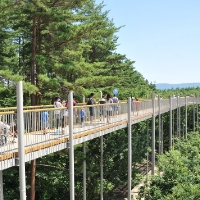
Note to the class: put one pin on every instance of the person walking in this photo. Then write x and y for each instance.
(133, 104)
(57, 104)
(137, 105)
(109, 109)
(45, 121)
(4, 127)
(82, 116)
(102, 107)
(91, 101)
(115, 106)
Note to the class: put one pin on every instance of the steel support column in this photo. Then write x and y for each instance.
(170, 122)
(101, 166)
(193, 115)
(147, 146)
(84, 164)
(1, 185)
(173, 134)
(153, 136)
(71, 150)
(129, 149)
(161, 135)
(186, 116)
(179, 116)
(177, 121)
(159, 125)
(20, 127)
(84, 172)
(101, 94)
(83, 98)
(197, 122)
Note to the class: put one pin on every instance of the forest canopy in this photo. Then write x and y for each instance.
(59, 46)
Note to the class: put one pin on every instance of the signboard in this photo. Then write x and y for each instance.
(115, 91)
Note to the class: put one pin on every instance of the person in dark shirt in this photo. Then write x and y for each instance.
(91, 101)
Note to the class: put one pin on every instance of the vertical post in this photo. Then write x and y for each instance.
(170, 122)
(1, 185)
(71, 150)
(172, 126)
(20, 127)
(197, 123)
(153, 135)
(83, 98)
(101, 165)
(100, 94)
(177, 116)
(147, 147)
(84, 172)
(186, 116)
(84, 165)
(129, 149)
(161, 135)
(193, 115)
(159, 124)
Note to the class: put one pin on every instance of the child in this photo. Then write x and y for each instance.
(82, 116)
(45, 119)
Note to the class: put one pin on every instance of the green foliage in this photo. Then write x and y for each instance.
(52, 177)
(73, 48)
(7, 97)
(178, 176)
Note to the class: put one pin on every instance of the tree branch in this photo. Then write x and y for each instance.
(51, 166)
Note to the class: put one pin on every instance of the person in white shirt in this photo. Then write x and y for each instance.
(102, 108)
(3, 126)
(57, 104)
(109, 109)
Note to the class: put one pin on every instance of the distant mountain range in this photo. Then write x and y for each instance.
(165, 86)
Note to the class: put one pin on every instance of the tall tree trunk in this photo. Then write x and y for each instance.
(33, 103)
(39, 44)
(32, 67)
(32, 182)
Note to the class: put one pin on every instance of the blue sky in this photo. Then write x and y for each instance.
(162, 36)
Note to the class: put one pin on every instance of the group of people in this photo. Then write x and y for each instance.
(135, 105)
(108, 107)
(106, 111)
(61, 115)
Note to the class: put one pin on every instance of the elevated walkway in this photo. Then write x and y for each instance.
(38, 144)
